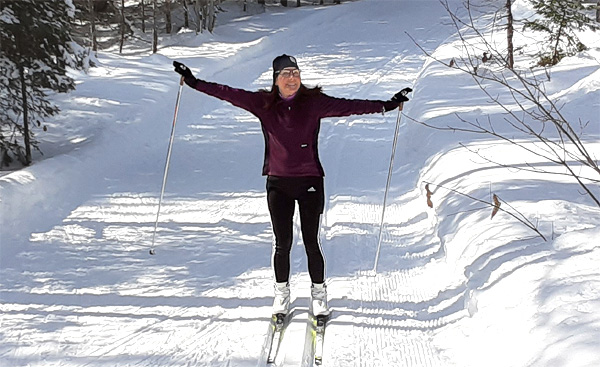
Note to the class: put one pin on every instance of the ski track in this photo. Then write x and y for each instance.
(392, 324)
(381, 339)
(379, 320)
(389, 327)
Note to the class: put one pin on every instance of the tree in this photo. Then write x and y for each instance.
(92, 15)
(169, 24)
(212, 18)
(122, 26)
(100, 23)
(205, 11)
(560, 19)
(510, 30)
(29, 74)
(527, 111)
(154, 27)
(503, 12)
(186, 16)
(143, 8)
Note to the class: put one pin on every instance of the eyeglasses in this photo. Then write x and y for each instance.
(289, 73)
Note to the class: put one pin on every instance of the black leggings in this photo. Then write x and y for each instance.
(282, 194)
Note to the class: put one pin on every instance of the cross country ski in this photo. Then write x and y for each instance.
(277, 325)
(315, 340)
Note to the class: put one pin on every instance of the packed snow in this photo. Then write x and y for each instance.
(453, 287)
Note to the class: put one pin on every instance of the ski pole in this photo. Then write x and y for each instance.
(164, 181)
(404, 92)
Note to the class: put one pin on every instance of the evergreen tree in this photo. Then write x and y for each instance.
(560, 20)
(36, 50)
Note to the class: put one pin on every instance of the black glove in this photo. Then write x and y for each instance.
(401, 96)
(186, 73)
(396, 100)
(183, 70)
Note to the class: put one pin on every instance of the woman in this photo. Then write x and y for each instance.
(290, 116)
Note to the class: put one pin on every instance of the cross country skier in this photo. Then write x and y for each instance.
(290, 115)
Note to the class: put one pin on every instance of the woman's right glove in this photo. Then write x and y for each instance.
(186, 73)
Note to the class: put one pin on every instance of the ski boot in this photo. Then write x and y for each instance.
(318, 304)
(281, 302)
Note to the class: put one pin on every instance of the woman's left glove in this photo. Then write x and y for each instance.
(186, 73)
(401, 96)
(397, 100)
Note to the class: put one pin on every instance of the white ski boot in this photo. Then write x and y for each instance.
(281, 302)
(318, 304)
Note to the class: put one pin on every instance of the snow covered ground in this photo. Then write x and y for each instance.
(453, 287)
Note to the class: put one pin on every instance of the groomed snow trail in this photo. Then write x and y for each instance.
(84, 292)
(390, 315)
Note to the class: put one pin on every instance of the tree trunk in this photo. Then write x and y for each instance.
(211, 16)
(509, 36)
(559, 35)
(154, 28)
(205, 15)
(92, 25)
(186, 16)
(26, 139)
(143, 16)
(298, 3)
(598, 12)
(122, 26)
(169, 25)
(284, 2)
(197, 11)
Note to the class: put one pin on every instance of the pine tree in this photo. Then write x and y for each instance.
(36, 50)
(560, 19)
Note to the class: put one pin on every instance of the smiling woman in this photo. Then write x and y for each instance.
(290, 115)
(286, 75)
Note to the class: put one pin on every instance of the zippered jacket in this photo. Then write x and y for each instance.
(291, 127)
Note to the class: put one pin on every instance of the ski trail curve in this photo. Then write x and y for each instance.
(387, 318)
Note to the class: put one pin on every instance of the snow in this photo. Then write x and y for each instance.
(453, 287)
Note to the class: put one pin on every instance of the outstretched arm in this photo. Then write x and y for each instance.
(249, 101)
(338, 107)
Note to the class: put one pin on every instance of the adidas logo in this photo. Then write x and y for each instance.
(312, 189)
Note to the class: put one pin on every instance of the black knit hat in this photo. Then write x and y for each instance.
(281, 62)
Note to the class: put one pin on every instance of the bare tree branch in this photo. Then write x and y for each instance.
(496, 205)
(530, 112)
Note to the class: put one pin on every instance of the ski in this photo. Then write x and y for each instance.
(315, 340)
(277, 327)
(319, 323)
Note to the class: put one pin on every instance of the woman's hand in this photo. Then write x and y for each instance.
(183, 70)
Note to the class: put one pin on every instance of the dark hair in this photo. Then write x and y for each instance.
(272, 95)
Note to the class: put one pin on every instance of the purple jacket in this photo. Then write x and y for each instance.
(291, 127)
